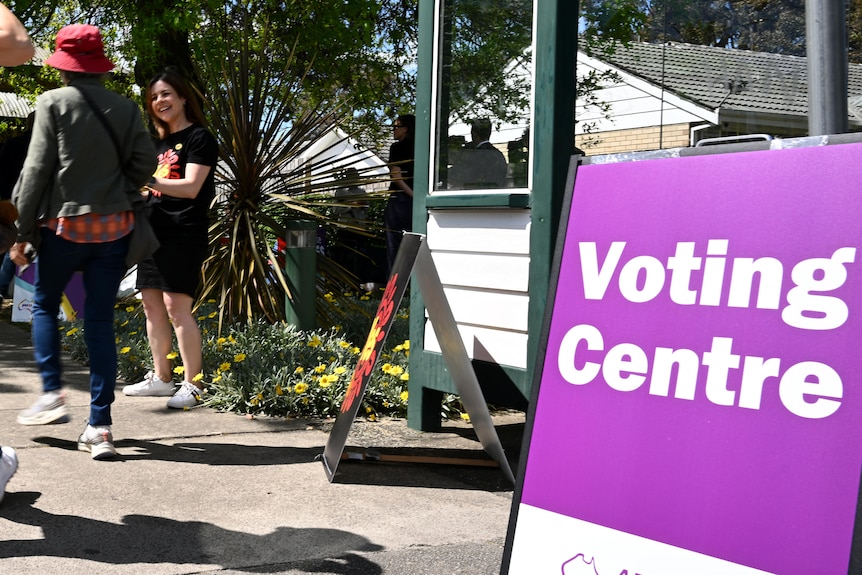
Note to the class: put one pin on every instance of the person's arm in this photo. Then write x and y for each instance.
(16, 48)
(395, 173)
(187, 187)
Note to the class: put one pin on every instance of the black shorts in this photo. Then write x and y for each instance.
(175, 267)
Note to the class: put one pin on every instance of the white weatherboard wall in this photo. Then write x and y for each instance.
(483, 258)
(634, 103)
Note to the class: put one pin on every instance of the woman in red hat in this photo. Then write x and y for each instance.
(75, 209)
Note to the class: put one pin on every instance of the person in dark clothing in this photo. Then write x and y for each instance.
(12, 156)
(398, 216)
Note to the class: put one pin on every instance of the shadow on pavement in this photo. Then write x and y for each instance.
(427, 475)
(152, 540)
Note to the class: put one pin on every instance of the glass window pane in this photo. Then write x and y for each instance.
(483, 94)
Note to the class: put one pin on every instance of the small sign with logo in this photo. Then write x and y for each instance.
(697, 407)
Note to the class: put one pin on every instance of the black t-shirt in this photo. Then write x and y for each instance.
(193, 145)
(402, 151)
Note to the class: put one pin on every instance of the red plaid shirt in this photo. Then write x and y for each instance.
(93, 228)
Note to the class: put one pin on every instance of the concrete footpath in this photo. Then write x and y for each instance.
(200, 491)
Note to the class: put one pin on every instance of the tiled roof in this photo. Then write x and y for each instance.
(730, 79)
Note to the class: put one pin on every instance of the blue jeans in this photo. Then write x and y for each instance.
(7, 272)
(103, 266)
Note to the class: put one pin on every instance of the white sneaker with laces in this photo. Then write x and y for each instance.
(150, 386)
(99, 441)
(188, 395)
(8, 467)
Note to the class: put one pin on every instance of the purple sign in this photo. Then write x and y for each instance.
(700, 407)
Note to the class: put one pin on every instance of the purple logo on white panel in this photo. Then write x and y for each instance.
(580, 565)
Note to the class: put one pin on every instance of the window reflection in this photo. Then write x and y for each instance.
(483, 95)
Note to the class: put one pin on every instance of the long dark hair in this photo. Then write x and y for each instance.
(192, 108)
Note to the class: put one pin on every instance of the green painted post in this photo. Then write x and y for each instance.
(300, 270)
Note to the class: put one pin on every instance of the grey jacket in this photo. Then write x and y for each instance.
(72, 167)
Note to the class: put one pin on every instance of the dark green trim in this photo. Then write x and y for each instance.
(424, 411)
(517, 200)
(553, 145)
(553, 132)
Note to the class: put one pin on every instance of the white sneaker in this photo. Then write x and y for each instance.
(49, 408)
(188, 395)
(99, 441)
(151, 386)
(8, 467)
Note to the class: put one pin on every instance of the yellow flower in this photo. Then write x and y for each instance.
(340, 369)
(465, 416)
(396, 370)
(133, 333)
(126, 349)
(216, 379)
(179, 369)
(213, 314)
(368, 409)
(124, 324)
(320, 368)
(355, 350)
(239, 357)
(198, 377)
(386, 367)
(343, 344)
(72, 331)
(405, 377)
(406, 344)
(327, 380)
(172, 355)
(299, 369)
(315, 341)
(231, 339)
(329, 297)
(220, 340)
(130, 308)
(224, 367)
(372, 417)
(201, 317)
(300, 387)
(278, 390)
(398, 348)
(364, 298)
(403, 396)
(211, 301)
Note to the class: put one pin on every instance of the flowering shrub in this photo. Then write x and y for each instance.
(272, 369)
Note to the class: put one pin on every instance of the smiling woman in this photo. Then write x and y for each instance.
(181, 191)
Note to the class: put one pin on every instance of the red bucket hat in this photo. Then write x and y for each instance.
(80, 49)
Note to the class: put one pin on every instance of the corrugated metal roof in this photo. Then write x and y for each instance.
(729, 79)
(13, 106)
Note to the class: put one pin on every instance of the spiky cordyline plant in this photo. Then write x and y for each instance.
(265, 128)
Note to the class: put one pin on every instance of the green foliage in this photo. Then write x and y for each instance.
(271, 369)
(763, 25)
(267, 125)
